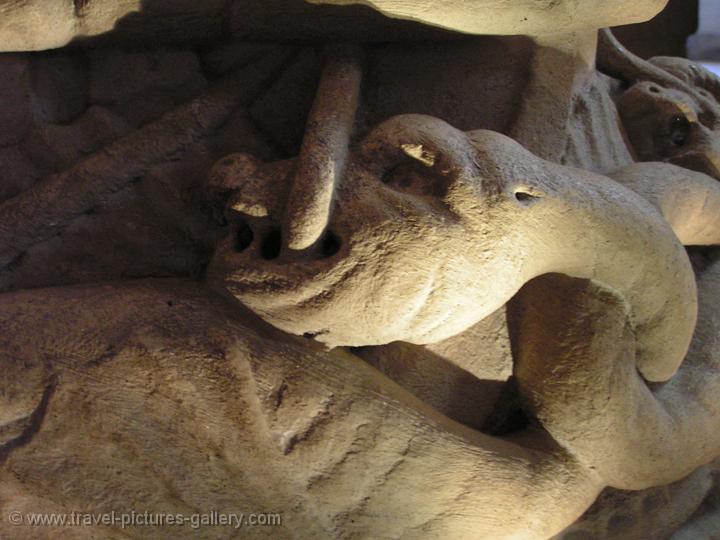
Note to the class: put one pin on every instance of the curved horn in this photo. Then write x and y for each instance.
(691, 72)
(615, 60)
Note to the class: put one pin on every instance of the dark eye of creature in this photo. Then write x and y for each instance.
(679, 129)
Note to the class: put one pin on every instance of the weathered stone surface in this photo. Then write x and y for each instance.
(234, 55)
(19, 173)
(442, 79)
(510, 253)
(637, 515)
(15, 95)
(287, 428)
(59, 86)
(521, 17)
(131, 23)
(141, 86)
(282, 109)
(62, 145)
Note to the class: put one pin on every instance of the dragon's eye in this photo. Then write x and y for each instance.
(679, 128)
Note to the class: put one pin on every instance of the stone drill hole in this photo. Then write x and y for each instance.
(270, 247)
(243, 237)
(330, 245)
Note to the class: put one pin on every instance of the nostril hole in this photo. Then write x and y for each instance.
(271, 244)
(243, 237)
(330, 244)
(654, 89)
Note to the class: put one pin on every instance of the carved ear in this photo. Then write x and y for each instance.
(615, 60)
(246, 185)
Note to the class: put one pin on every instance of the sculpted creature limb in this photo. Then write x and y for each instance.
(318, 436)
(50, 205)
(688, 200)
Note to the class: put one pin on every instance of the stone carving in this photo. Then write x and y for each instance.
(521, 17)
(480, 201)
(469, 217)
(671, 108)
(416, 256)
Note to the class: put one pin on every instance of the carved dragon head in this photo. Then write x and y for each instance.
(671, 108)
(432, 229)
(411, 249)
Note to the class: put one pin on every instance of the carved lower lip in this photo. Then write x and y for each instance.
(282, 289)
(257, 277)
(259, 283)
(287, 275)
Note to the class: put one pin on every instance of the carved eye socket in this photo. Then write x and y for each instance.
(679, 128)
(415, 179)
